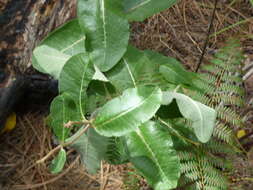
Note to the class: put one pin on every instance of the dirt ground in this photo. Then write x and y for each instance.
(179, 32)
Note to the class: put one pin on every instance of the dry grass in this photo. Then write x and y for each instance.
(178, 32)
(29, 142)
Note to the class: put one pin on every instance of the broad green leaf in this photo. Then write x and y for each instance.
(124, 114)
(174, 74)
(153, 145)
(98, 94)
(147, 168)
(131, 71)
(107, 33)
(92, 148)
(171, 69)
(49, 60)
(251, 1)
(116, 6)
(62, 110)
(75, 78)
(68, 39)
(58, 162)
(138, 10)
(53, 52)
(202, 116)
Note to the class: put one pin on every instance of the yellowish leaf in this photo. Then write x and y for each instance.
(10, 123)
(241, 133)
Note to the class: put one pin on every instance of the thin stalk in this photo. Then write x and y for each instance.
(60, 146)
(207, 37)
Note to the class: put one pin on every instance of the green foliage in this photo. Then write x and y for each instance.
(225, 91)
(107, 34)
(58, 162)
(62, 110)
(151, 151)
(126, 105)
(202, 116)
(221, 89)
(92, 148)
(53, 52)
(75, 78)
(137, 105)
(138, 10)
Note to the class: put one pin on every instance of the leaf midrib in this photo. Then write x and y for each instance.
(138, 5)
(73, 44)
(81, 87)
(102, 123)
(104, 27)
(138, 132)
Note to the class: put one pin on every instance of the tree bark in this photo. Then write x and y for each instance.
(23, 24)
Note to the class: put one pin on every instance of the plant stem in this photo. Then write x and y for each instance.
(207, 37)
(42, 160)
(177, 88)
(71, 123)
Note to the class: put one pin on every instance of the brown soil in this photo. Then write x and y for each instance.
(179, 32)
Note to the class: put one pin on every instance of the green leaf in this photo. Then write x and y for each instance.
(66, 41)
(62, 110)
(98, 94)
(130, 71)
(171, 69)
(202, 116)
(49, 60)
(251, 1)
(138, 10)
(92, 148)
(124, 114)
(107, 33)
(75, 78)
(58, 162)
(174, 74)
(151, 144)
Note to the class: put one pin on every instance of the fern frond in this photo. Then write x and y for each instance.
(115, 151)
(222, 131)
(229, 116)
(201, 169)
(221, 88)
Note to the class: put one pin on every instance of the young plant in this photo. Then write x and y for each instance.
(117, 103)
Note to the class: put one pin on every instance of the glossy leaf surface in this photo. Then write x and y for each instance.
(75, 78)
(51, 55)
(107, 33)
(124, 114)
(131, 70)
(202, 116)
(62, 110)
(58, 162)
(152, 153)
(138, 10)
